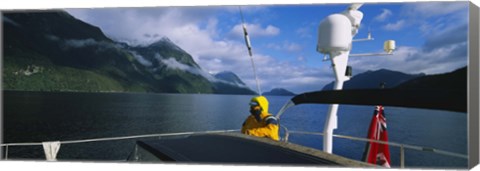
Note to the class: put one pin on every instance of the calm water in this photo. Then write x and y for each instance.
(37, 117)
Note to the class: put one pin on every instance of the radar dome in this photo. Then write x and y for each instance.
(334, 34)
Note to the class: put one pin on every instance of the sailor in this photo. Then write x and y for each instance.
(260, 123)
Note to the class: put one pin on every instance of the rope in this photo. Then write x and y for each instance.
(256, 78)
(249, 47)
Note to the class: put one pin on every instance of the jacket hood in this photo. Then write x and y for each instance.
(262, 101)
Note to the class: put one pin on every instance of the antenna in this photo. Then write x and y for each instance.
(249, 47)
(355, 6)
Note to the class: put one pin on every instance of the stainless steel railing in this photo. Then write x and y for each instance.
(110, 139)
(401, 146)
(285, 138)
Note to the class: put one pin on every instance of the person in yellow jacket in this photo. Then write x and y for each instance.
(260, 123)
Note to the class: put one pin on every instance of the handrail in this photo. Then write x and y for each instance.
(118, 138)
(389, 143)
(401, 146)
(112, 138)
(345, 95)
(287, 133)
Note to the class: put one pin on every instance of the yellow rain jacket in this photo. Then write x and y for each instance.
(266, 127)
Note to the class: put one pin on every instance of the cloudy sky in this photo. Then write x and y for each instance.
(431, 38)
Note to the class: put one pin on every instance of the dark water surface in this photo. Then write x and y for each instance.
(40, 116)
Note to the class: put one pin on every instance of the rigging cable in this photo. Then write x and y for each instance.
(249, 47)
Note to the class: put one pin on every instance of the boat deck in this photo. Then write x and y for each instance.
(234, 148)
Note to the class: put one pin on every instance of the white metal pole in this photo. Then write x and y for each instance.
(331, 124)
(339, 52)
(339, 65)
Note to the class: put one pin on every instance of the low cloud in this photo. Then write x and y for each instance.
(172, 63)
(395, 26)
(383, 16)
(151, 36)
(80, 43)
(141, 59)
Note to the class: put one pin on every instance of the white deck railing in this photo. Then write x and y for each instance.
(285, 138)
(401, 146)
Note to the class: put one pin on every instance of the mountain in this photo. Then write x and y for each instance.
(172, 68)
(230, 77)
(229, 83)
(455, 80)
(279, 92)
(372, 79)
(53, 51)
(164, 49)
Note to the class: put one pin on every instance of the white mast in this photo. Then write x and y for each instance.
(335, 35)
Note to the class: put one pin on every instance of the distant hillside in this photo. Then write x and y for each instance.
(53, 51)
(455, 80)
(372, 79)
(226, 88)
(229, 83)
(229, 77)
(279, 92)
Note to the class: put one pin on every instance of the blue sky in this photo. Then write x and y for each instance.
(431, 38)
